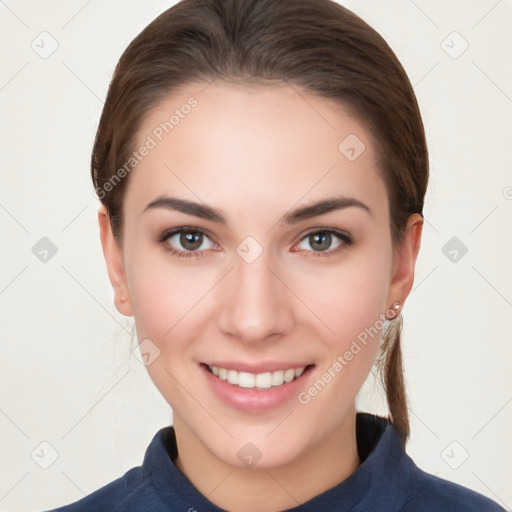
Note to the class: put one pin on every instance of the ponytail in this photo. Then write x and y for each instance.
(392, 377)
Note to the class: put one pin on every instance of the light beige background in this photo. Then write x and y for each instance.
(67, 374)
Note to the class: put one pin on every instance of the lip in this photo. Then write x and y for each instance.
(252, 400)
(271, 366)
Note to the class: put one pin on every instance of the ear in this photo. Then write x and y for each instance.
(115, 265)
(404, 260)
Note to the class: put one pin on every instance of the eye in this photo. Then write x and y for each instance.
(326, 240)
(186, 242)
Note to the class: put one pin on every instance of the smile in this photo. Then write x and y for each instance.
(258, 381)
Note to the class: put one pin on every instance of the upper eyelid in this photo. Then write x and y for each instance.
(164, 238)
(184, 229)
(335, 231)
(340, 233)
(343, 235)
(173, 231)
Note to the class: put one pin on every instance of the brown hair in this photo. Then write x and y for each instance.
(316, 45)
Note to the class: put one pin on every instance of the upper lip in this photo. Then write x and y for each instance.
(271, 366)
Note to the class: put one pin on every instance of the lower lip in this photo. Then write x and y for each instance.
(252, 399)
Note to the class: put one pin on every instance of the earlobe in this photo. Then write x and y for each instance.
(404, 260)
(115, 265)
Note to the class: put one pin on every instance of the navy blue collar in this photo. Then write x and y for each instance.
(382, 475)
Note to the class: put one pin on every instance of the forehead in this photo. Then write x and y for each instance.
(245, 145)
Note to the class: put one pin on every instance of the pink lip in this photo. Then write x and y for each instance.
(252, 400)
(273, 366)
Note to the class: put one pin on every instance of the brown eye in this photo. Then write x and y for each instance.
(187, 241)
(320, 241)
(323, 241)
(191, 240)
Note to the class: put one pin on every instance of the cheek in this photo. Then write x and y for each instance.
(347, 297)
(349, 300)
(170, 309)
(354, 311)
(165, 294)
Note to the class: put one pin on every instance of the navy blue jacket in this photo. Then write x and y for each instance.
(386, 481)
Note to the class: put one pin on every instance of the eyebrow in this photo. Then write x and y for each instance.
(189, 207)
(322, 207)
(207, 212)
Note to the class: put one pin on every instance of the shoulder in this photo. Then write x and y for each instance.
(429, 492)
(141, 488)
(398, 484)
(131, 492)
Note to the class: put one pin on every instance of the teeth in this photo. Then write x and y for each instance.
(261, 380)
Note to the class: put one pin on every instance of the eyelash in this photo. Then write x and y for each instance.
(344, 237)
(182, 254)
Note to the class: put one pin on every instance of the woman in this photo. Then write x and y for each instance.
(262, 168)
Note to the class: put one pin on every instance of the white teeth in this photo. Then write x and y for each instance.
(289, 375)
(261, 380)
(244, 380)
(277, 378)
(232, 377)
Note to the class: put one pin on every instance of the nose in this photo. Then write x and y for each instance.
(255, 304)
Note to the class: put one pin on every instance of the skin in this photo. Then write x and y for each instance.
(255, 153)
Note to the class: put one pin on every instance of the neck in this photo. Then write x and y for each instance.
(237, 489)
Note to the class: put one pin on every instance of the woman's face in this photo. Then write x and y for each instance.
(257, 239)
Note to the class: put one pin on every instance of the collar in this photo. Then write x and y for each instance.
(379, 480)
